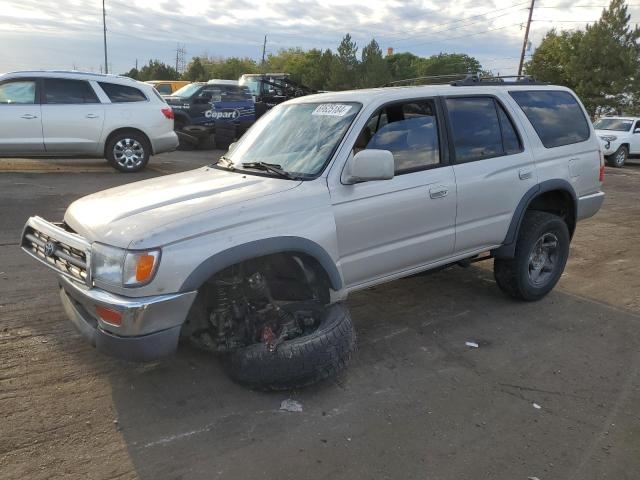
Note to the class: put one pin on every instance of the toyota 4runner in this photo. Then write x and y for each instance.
(252, 257)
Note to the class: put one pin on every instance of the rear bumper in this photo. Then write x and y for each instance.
(165, 143)
(150, 325)
(589, 205)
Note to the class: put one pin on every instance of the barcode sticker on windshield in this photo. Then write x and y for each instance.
(332, 109)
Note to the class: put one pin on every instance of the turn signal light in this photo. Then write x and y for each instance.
(112, 317)
(144, 267)
(168, 113)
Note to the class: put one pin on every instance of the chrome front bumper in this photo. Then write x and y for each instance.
(150, 325)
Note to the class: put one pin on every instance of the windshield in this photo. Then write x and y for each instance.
(615, 124)
(187, 90)
(299, 138)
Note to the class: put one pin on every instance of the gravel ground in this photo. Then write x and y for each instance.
(416, 403)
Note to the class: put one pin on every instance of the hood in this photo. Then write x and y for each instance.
(133, 212)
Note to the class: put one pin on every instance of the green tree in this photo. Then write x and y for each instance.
(550, 61)
(133, 73)
(230, 68)
(344, 72)
(403, 65)
(374, 71)
(448, 64)
(195, 71)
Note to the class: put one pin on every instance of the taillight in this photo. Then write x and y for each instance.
(601, 176)
(168, 113)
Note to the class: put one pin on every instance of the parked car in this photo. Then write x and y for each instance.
(167, 87)
(62, 114)
(326, 195)
(620, 138)
(270, 89)
(212, 113)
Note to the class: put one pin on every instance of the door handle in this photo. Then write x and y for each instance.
(28, 116)
(438, 192)
(92, 115)
(525, 174)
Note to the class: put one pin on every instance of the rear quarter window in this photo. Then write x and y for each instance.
(555, 115)
(122, 93)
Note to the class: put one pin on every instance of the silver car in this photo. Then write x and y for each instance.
(325, 195)
(62, 114)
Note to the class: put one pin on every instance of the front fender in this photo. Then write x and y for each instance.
(259, 248)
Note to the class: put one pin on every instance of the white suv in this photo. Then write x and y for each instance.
(59, 114)
(620, 138)
(326, 195)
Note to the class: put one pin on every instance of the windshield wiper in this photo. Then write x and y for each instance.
(270, 167)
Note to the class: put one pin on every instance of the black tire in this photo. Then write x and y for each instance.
(207, 143)
(618, 158)
(515, 276)
(120, 145)
(299, 362)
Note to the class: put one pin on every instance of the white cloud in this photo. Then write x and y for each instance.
(67, 33)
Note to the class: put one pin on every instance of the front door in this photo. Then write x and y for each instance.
(72, 117)
(20, 118)
(390, 226)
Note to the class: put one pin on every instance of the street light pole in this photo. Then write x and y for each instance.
(104, 30)
(526, 38)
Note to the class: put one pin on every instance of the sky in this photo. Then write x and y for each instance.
(67, 34)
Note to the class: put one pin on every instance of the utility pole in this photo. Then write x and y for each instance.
(526, 38)
(181, 53)
(264, 50)
(104, 29)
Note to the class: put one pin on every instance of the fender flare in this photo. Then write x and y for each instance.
(507, 250)
(259, 248)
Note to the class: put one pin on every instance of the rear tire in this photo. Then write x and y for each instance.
(128, 152)
(542, 249)
(299, 362)
(618, 158)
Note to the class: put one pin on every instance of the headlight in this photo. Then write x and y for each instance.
(609, 138)
(115, 266)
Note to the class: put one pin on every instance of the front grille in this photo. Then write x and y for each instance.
(60, 256)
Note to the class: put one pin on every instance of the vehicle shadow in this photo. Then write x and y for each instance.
(416, 402)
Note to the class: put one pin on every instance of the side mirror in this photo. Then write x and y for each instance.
(637, 130)
(232, 147)
(369, 165)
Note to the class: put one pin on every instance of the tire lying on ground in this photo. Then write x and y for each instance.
(224, 136)
(299, 362)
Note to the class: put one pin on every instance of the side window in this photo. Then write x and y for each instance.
(122, 93)
(62, 91)
(408, 130)
(21, 92)
(475, 128)
(510, 139)
(164, 88)
(555, 115)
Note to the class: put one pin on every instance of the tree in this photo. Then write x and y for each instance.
(195, 71)
(154, 70)
(230, 68)
(448, 64)
(374, 71)
(403, 65)
(133, 73)
(345, 67)
(600, 63)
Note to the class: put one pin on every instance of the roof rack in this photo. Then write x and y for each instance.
(476, 79)
(467, 79)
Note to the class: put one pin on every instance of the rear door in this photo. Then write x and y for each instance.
(492, 169)
(72, 117)
(20, 117)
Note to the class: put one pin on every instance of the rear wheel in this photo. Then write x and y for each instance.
(619, 157)
(128, 152)
(542, 249)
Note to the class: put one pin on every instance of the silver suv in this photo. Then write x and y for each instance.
(252, 257)
(61, 114)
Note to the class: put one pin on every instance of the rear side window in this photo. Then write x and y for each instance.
(555, 115)
(122, 93)
(228, 93)
(475, 128)
(62, 91)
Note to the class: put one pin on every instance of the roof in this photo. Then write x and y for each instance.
(71, 74)
(370, 95)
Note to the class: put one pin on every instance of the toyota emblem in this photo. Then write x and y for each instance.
(49, 248)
